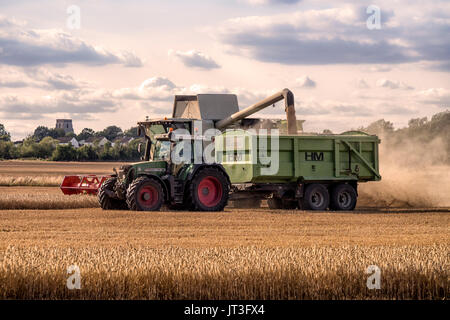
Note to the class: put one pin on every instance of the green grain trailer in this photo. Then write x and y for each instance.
(314, 172)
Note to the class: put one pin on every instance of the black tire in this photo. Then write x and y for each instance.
(316, 197)
(274, 203)
(145, 194)
(106, 202)
(343, 197)
(213, 195)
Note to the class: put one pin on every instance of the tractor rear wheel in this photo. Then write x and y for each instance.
(316, 197)
(145, 194)
(106, 202)
(209, 190)
(343, 197)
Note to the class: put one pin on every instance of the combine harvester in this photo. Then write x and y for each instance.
(314, 172)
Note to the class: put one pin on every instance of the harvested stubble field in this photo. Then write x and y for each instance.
(48, 173)
(239, 253)
(261, 254)
(42, 198)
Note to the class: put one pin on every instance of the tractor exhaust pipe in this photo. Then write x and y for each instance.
(285, 94)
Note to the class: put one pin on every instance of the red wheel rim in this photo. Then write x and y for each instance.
(209, 191)
(148, 196)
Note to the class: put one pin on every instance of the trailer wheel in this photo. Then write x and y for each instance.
(209, 190)
(343, 197)
(106, 202)
(316, 197)
(145, 194)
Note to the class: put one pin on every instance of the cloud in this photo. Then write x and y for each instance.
(194, 59)
(12, 78)
(38, 77)
(73, 103)
(337, 36)
(162, 90)
(265, 2)
(392, 84)
(130, 59)
(155, 88)
(361, 84)
(305, 82)
(23, 46)
(377, 68)
(437, 96)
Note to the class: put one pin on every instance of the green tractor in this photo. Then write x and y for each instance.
(147, 185)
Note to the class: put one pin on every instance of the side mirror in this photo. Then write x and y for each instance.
(139, 131)
(139, 147)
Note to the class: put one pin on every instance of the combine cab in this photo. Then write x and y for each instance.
(82, 184)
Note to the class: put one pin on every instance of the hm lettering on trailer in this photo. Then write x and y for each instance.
(313, 156)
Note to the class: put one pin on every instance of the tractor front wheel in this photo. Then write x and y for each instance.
(103, 196)
(209, 190)
(145, 194)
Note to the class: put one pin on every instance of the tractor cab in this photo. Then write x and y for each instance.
(157, 136)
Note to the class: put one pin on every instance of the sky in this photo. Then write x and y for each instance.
(114, 62)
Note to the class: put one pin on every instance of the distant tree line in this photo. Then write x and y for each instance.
(110, 133)
(43, 144)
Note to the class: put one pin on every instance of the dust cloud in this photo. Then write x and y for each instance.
(414, 174)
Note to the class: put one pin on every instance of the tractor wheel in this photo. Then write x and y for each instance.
(208, 190)
(145, 194)
(275, 203)
(316, 197)
(343, 197)
(106, 202)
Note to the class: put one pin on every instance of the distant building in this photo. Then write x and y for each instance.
(123, 140)
(68, 140)
(91, 141)
(65, 124)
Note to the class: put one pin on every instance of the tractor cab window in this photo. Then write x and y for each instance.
(162, 150)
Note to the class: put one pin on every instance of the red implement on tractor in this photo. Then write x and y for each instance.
(82, 184)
